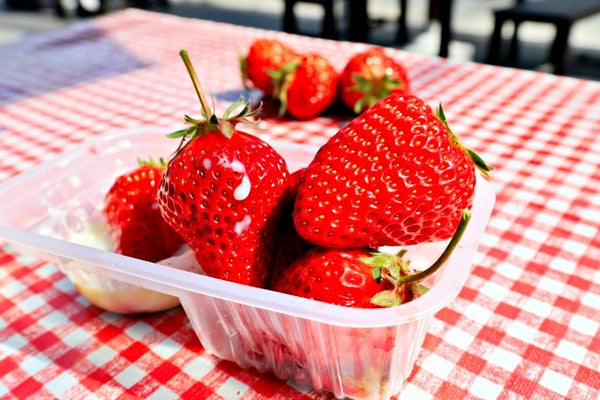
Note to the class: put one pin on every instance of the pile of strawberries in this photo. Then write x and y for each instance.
(305, 85)
(396, 175)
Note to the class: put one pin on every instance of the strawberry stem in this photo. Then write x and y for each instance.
(405, 282)
(210, 122)
(190, 68)
(462, 225)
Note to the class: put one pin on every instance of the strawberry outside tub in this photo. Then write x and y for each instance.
(353, 353)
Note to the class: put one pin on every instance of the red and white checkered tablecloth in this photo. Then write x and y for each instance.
(525, 326)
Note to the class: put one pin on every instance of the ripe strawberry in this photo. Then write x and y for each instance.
(361, 277)
(333, 276)
(134, 222)
(395, 175)
(265, 56)
(307, 87)
(290, 245)
(370, 76)
(221, 192)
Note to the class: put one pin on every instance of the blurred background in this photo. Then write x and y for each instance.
(472, 24)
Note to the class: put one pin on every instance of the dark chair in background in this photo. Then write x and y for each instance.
(358, 19)
(359, 23)
(82, 11)
(25, 5)
(561, 13)
(328, 29)
(441, 10)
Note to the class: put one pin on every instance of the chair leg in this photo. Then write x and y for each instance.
(434, 10)
(402, 33)
(329, 30)
(441, 10)
(358, 29)
(558, 51)
(445, 22)
(289, 19)
(514, 44)
(493, 56)
(59, 10)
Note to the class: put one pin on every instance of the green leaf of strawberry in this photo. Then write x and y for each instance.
(477, 160)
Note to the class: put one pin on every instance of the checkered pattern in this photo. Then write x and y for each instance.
(525, 326)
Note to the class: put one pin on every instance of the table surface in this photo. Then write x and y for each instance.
(525, 326)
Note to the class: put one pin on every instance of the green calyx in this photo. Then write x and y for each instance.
(238, 112)
(280, 79)
(161, 162)
(405, 280)
(372, 89)
(392, 268)
(243, 63)
(477, 160)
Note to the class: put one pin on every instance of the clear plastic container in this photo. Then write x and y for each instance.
(356, 353)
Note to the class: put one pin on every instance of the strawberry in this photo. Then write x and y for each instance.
(290, 245)
(363, 278)
(370, 76)
(307, 87)
(134, 222)
(332, 276)
(265, 56)
(395, 175)
(221, 192)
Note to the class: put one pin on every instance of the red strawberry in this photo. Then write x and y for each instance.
(361, 277)
(370, 76)
(395, 175)
(308, 87)
(221, 192)
(134, 222)
(290, 245)
(265, 56)
(333, 276)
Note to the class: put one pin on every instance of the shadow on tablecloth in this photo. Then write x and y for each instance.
(49, 61)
